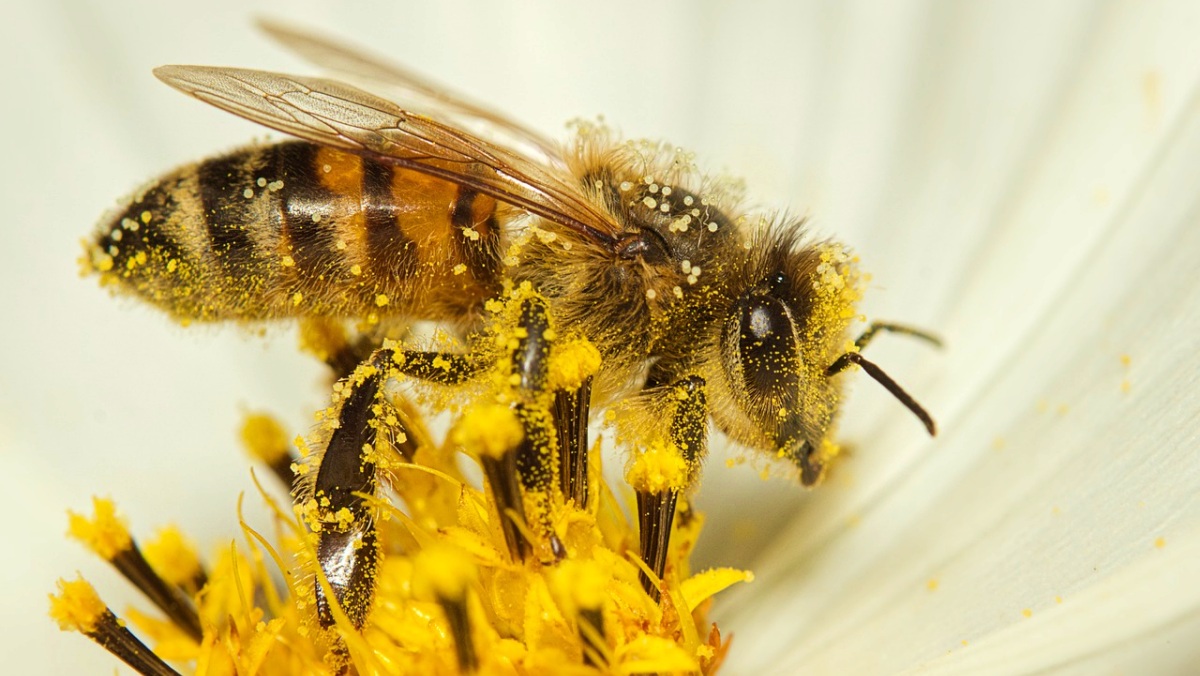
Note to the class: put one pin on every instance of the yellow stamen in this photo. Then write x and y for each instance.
(105, 533)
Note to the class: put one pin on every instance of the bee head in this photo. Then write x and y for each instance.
(780, 335)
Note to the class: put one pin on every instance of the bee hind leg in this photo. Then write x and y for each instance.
(338, 509)
(338, 499)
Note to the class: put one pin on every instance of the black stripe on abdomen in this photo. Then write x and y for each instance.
(480, 256)
(141, 228)
(224, 184)
(391, 253)
(307, 208)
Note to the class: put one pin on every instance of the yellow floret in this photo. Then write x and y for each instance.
(172, 556)
(442, 572)
(264, 437)
(488, 430)
(105, 533)
(701, 586)
(322, 338)
(77, 606)
(580, 584)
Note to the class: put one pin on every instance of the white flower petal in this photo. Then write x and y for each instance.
(1049, 479)
(1019, 176)
(1142, 619)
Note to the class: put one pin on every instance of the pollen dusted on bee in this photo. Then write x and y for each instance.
(566, 288)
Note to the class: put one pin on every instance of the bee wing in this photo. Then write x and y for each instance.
(370, 71)
(339, 115)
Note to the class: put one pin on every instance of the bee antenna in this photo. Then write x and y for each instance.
(890, 385)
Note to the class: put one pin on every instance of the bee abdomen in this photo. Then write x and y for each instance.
(296, 229)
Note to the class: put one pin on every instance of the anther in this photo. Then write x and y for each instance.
(108, 537)
(77, 607)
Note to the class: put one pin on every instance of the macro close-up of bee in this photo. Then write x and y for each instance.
(519, 338)
(597, 280)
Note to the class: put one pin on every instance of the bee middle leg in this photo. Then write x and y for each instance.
(549, 418)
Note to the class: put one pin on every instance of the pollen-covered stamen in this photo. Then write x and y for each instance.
(581, 587)
(175, 559)
(77, 607)
(656, 512)
(265, 440)
(494, 434)
(108, 537)
(444, 574)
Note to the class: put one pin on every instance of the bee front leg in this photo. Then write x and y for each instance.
(571, 410)
(664, 470)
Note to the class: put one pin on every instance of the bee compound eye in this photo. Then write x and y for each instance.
(767, 348)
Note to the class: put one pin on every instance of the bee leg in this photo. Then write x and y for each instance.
(658, 488)
(443, 368)
(536, 457)
(347, 538)
(571, 410)
(347, 546)
(330, 342)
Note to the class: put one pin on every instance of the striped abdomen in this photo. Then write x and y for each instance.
(296, 229)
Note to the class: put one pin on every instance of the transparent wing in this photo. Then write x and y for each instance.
(335, 114)
(372, 72)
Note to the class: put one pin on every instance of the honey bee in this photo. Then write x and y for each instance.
(697, 309)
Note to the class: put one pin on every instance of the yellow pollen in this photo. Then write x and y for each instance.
(264, 438)
(488, 429)
(77, 606)
(173, 557)
(580, 584)
(442, 572)
(660, 467)
(105, 533)
(572, 363)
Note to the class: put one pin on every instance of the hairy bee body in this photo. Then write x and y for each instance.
(380, 215)
(597, 274)
(294, 229)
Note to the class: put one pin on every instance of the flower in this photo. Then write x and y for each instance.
(1019, 180)
(1038, 208)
